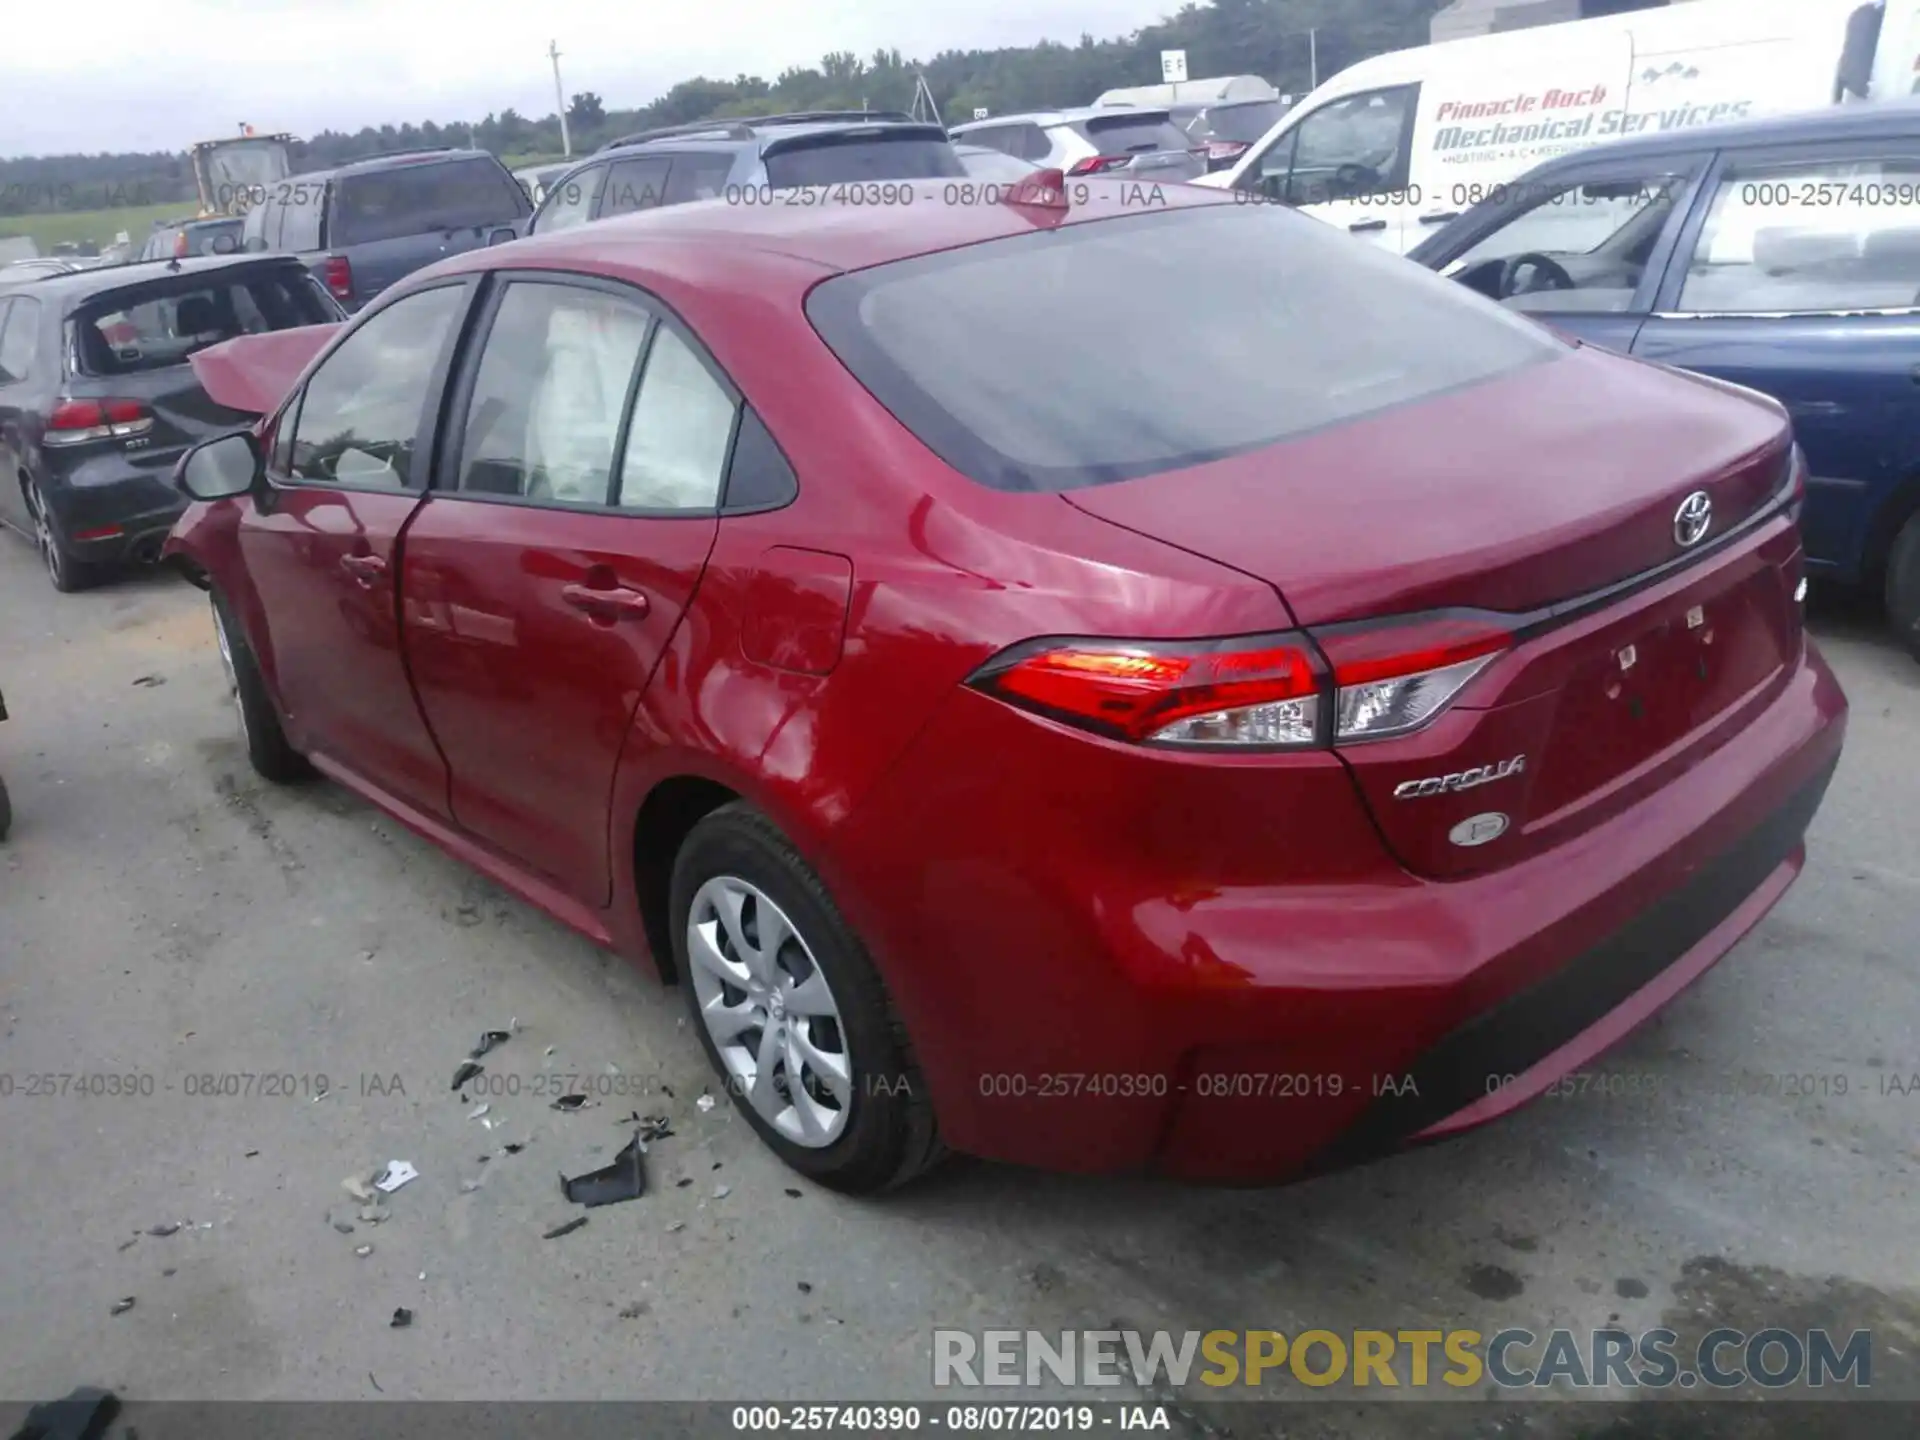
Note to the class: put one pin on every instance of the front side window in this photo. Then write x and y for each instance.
(635, 185)
(360, 415)
(571, 201)
(544, 418)
(682, 428)
(1349, 148)
(1011, 360)
(1581, 245)
(1817, 236)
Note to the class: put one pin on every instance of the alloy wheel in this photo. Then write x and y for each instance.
(769, 1011)
(43, 536)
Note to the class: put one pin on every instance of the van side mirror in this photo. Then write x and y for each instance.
(221, 468)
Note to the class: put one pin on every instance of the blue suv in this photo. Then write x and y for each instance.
(744, 160)
(1782, 255)
(374, 221)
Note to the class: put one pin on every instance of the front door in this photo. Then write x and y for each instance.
(563, 542)
(1582, 251)
(1347, 163)
(1801, 278)
(322, 545)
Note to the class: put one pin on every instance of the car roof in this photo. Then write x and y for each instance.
(81, 284)
(746, 131)
(762, 250)
(1890, 118)
(1071, 115)
(392, 160)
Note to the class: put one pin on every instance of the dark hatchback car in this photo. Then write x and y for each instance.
(815, 600)
(365, 225)
(1782, 255)
(745, 161)
(98, 400)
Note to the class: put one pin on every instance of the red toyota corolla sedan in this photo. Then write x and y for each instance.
(1111, 681)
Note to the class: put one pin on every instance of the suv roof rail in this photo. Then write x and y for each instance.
(725, 129)
(410, 150)
(803, 117)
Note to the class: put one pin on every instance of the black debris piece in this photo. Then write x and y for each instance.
(683, 1182)
(129, 1244)
(465, 1073)
(666, 1090)
(716, 1164)
(654, 1127)
(164, 1230)
(402, 1318)
(514, 1147)
(792, 1194)
(84, 1413)
(569, 1102)
(150, 680)
(488, 1039)
(806, 1287)
(252, 1153)
(567, 1229)
(375, 1383)
(624, 1179)
(121, 1306)
(169, 1271)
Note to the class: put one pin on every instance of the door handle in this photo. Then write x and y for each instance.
(1360, 225)
(1442, 218)
(365, 569)
(617, 601)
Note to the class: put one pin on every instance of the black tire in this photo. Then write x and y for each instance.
(1903, 585)
(889, 1136)
(67, 573)
(273, 758)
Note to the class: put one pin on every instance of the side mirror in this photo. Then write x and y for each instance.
(221, 468)
(503, 236)
(223, 245)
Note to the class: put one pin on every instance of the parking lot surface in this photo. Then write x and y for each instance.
(166, 916)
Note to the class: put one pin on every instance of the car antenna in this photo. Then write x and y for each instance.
(174, 264)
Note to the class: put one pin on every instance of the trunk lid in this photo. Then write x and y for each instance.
(1529, 502)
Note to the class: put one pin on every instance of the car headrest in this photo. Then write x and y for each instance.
(196, 316)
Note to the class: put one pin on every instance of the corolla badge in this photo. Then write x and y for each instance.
(1479, 829)
(1459, 780)
(1692, 520)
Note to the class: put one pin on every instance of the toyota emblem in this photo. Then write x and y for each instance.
(1693, 519)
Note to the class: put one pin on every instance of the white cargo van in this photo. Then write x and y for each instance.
(1400, 144)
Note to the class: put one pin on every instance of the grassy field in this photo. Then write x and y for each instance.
(51, 227)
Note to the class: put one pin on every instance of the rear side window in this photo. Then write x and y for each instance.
(1134, 134)
(152, 326)
(1235, 327)
(846, 157)
(635, 185)
(424, 199)
(698, 177)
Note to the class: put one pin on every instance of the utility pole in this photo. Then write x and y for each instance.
(560, 98)
(1313, 58)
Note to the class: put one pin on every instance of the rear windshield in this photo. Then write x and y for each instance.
(423, 199)
(152, 326)
(1135, 134)
(1245, 123)
(1106, 350)
(842, 159)
(200, 238)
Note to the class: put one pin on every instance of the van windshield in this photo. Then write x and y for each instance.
(1122, 347)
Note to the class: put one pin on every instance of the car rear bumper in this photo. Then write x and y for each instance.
(1243, 1033)
(113, 506)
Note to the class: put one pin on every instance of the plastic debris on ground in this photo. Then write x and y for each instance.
(343, 1227)
(363, 1251)
(720, 1192)
(402, 1318)
(792, 1194)
(567, 1229)
(570, 1103)
(164, 1230)
(468, 1069)
(489, 1039)
(399, 1172)
(704, 1103)
(358, 1188)
(624, 1179)
(121, 1306)
(478, 1111)
(372, 1214)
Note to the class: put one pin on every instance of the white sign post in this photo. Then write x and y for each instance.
(1173, 68)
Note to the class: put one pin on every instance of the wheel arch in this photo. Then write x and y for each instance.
(1901, 504)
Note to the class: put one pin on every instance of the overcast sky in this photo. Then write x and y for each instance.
(137, 75)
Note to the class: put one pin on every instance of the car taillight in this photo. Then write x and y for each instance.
(1100, 164)
(1394, 678)
(1224, 149)
(1265, 691)
(339, 277)
(76, 422)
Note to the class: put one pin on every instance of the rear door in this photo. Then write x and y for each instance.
(1583, 251)
(1347, 162)
(395, 221)
(568, 529)
(1799, 276)
(348, 467)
